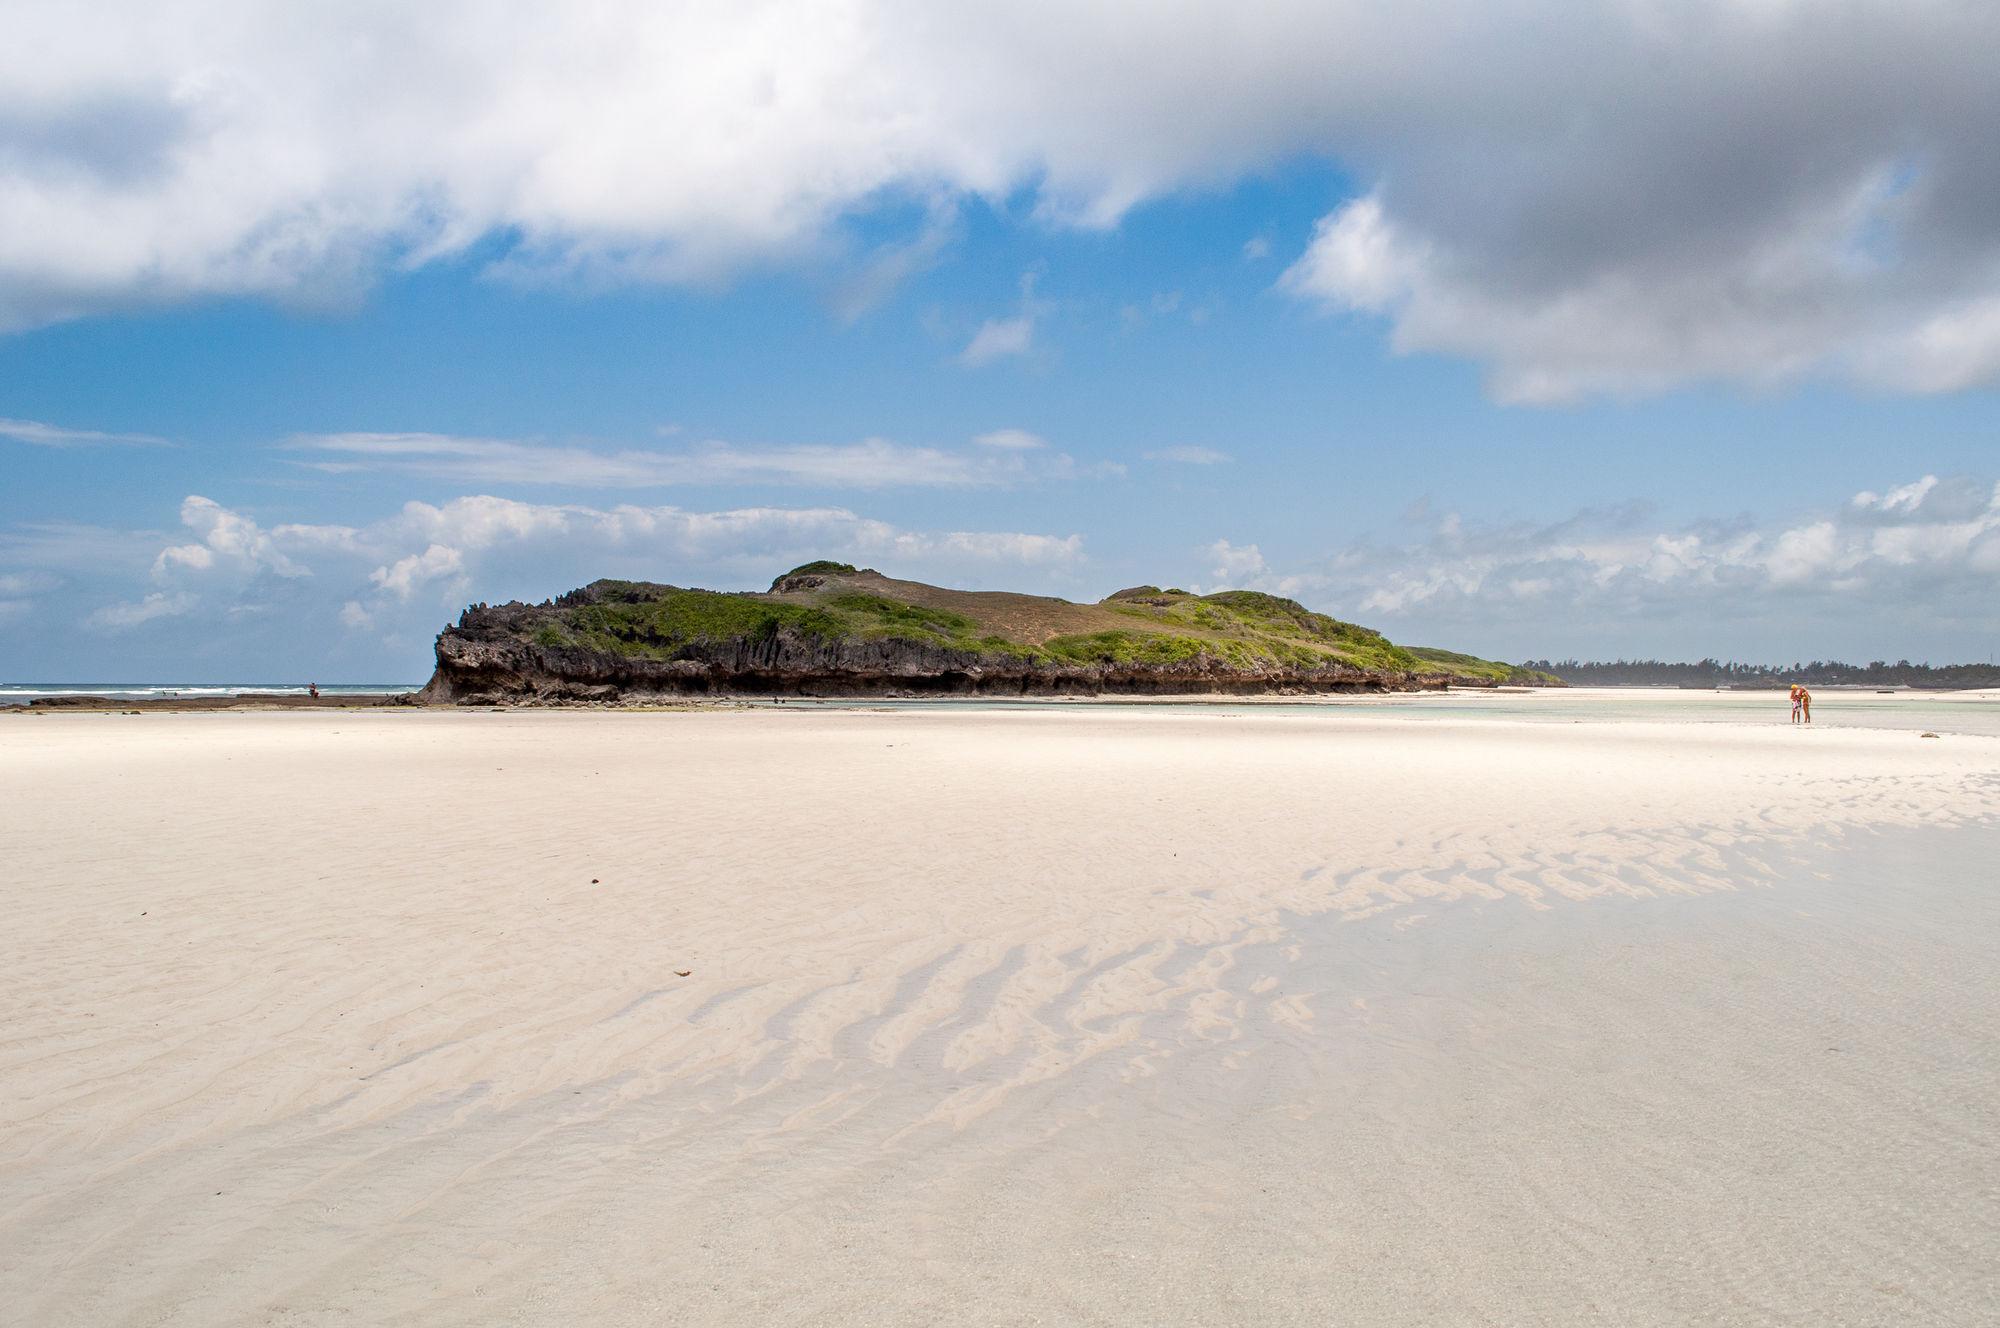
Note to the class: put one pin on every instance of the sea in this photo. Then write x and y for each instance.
(20, 693)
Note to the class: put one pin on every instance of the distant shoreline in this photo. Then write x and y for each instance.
(62, 701)
(414, 702)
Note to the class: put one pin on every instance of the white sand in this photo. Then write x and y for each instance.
(1092, 1016)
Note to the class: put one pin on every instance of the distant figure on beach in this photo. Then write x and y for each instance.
(312, 690)
(1801, 705)
(1796, 703)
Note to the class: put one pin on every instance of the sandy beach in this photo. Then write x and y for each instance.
(1058, 1015)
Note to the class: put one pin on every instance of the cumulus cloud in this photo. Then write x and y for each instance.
(1931, 536)
(435, 563)
(1726, 191)
(228, 536)
(427, 557)
(873, 463)
(1607, 197)
(1913, 568)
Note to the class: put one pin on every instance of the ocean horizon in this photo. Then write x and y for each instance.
(15, 693)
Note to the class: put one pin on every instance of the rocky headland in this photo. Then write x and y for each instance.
(832, 630)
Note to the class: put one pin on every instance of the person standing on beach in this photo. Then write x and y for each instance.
(1797, 704)
(1805, 705)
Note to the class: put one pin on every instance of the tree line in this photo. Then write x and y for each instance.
(1717, 673)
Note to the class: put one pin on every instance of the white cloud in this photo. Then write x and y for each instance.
(1244, 567)
(1190, 456)
(435, 563)
(1358, 260)
(1905, 499)
(1235, 561)
(428, 557)
(1840, 225)
(229, 536)
(873, 463)
(1804, 554)
(37, 434)
(1925, 559)
(1586, 198)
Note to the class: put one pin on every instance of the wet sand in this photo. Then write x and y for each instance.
(963, 1016)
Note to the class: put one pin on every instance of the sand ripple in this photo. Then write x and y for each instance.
(364, 974)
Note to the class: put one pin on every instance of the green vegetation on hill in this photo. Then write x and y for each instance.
(640, 620)
(1279, 629)
(821, 568)
(1242, 629)
(1472, 667)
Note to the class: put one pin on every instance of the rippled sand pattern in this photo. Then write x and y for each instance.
(925, 1016)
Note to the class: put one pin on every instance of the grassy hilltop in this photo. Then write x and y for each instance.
(1472, 670)
(837, 602)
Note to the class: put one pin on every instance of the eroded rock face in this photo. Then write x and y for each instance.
(490, 658)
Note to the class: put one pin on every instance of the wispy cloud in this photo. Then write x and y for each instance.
(36, 434)
(874, 463)
(159, 604)
(1190, 456)
(998, 338)
(27, 583)
(1012, 440)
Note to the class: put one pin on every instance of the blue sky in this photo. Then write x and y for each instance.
(1438, 352)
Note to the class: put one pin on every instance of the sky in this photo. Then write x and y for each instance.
(1530, 329)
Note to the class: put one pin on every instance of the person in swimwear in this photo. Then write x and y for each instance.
(1796, 703)
(1805, 704)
